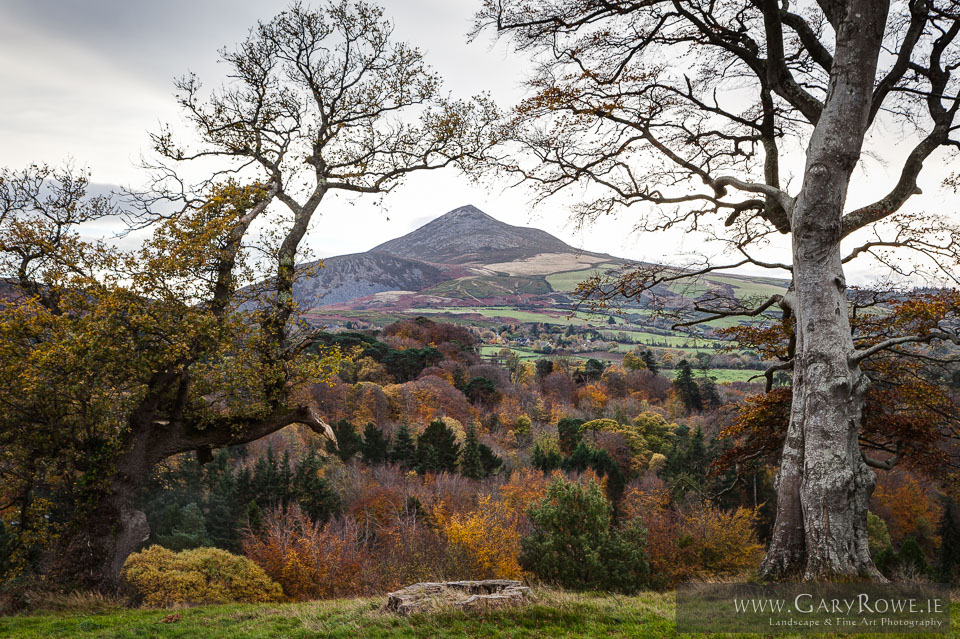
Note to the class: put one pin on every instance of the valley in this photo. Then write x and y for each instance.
(516, 287)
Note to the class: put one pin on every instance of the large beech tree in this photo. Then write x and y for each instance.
(687, 112)
(112, 361)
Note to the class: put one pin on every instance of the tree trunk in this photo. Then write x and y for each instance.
(822, 469)
(93, 555)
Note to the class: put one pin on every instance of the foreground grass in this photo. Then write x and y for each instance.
(555, 614)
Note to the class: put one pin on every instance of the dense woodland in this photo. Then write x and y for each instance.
(450, 467)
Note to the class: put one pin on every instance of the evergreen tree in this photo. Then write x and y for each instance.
(253, 517)
(593, 369)
(349, 442)
(708, 388)
(546, 461)
(470, 463)
(489, 460)
(404, 451)
(948, 556)
(459, 379)
(375, 448)
(190, 532)
(437, 448)
(575, 544)
(544, 368)
(687, 388)
(651, 363)
(221, 504)
(312, 491)
(568, 430)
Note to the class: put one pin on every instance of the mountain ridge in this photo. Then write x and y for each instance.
(461, 243)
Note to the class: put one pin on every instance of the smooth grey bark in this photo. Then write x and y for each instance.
(822, 468)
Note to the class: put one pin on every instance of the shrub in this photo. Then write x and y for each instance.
(310, 560)
(696, 542)
(484, 543)
(161, 577)
(575, 545)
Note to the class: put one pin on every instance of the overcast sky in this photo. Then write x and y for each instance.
(87, 80)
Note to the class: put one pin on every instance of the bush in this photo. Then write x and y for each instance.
(160, 577)
(311, 560)
(483, 543)
(696, 542)
(575, 545)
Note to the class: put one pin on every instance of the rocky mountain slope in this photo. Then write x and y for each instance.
(467, 235)
(464, 244)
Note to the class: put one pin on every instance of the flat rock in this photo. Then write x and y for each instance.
(466, 595)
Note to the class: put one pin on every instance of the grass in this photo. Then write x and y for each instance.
(567, 281)
(554, 614)
(489, 286)
(559, 317)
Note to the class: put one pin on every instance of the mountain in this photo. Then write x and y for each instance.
(468, 265)
(464, 249)
(347, 277)
(467, 235)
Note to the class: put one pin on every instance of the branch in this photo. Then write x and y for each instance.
(226, 433)
(882, 465)
(784, 200)
(860, 355)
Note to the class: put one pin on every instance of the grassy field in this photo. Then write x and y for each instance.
(561, 318)
(567, 281)
(554, 614)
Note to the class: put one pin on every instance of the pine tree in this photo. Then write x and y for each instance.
(190, 532)
(375, 447)
(490, 461)
(568, 430)
(349, 442)
(948, 556)
(437, 448)
(546, 461)
(470, 463)
(311, 491)
(687, 387)
(404, 451)
(651, 363)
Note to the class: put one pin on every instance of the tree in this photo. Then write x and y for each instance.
(544, 368)
(481, 390)
(348, 441)
(470, 463)
(651, 363)
(687, 387)
(187, 343)
(568, 432)
(437, 448)
(575, 545)
(703, 144)
(375, 446)
(404, 450)
(632, 361)
(948, 559)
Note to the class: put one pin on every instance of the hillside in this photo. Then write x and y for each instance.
(466, 258)
(347, 277)
(467, 235)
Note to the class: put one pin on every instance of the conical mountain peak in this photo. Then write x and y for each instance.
(467, 235)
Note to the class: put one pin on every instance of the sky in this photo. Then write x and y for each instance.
(85, 82)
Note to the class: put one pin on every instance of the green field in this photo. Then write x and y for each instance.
(481, 287)
(724, 375)
(578, 318)
(567, 281)
(554, 614)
